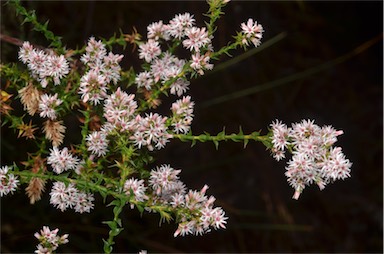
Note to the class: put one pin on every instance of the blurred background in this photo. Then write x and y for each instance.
(327, 66)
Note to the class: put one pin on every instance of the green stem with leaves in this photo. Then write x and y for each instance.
(222, 136)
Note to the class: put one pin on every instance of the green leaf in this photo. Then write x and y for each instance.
(246, 143)
(216, 144)
(107, 246)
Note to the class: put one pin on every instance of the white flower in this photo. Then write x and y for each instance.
(95, 52)
(314, 160)
(49, 240)
(138, 189)
(8, 181)
(144, 79)
(201, 63)
(62, 160)
(63, 197)
(182, 111)
(150, 130)
(149, 50)
(179, 87)
(119, 110)
(253, 32)
(47, 105)
(197, 38)
(97, 143)
(157, 30)
(179, 24)
(93, 87)
(57, 67)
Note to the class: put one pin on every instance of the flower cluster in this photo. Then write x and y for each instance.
(44, 67)
(62, 160)
(198, 214)
(97, 143)
(150, 131)
(63, 197)
(182, 111)
(314, 159)
(252, 32)
(47, 105)
(49, 240)
(137, 188)
(163, 64)
(102, 70)
(119, 110)
(8, 181)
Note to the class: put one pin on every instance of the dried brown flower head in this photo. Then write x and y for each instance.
(54, 131)
(26, 130)
(5, 102)
(36, 185)
(34, 189)
(30, 98)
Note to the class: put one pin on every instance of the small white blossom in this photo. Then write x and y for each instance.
(93, 87)
(137, 188)
(119, 110)
(64, 197)
(158, 30)
(182, 111)
(8, 182)
(47, 105)
(144, 79)
(314, 160)
(150, 131)
(179, 87)
(97, 143)
(178, 25)
(252, 32)
(42, 65)
(49, 240)
(95, 52)
(62, 160)
(201, 63)
(197, 38)
(149, 50)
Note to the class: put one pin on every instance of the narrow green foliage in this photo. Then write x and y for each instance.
(30, 17)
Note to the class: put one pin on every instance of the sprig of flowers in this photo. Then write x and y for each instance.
(314, 159)
(120, 129)
(49, 240)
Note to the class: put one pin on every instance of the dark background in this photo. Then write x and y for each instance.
(251, 187)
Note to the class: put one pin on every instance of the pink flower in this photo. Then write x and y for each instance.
(48, 104)
(63, 197)
(8, 182)
(95, 52)
(93, 87)
(182, 111)
(62, 160)
(179, 87)
(144, 79)
(314, 160)
(197, 38)
(97, 143)
(150, 131)
(178, 25)
(201, 63)
(149, 51)
(138, 189)
(253, 32)
(49, 240)
(119, 110)
(157, 30)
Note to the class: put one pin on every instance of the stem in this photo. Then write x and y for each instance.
(240, 137)
(115, 225)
